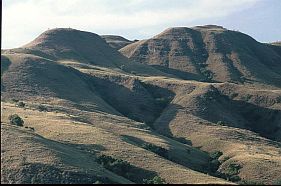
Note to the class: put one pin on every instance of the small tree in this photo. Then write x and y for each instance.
(16, 120)
(156, 149)
(42, 108)
(21, 104)
(154, 180)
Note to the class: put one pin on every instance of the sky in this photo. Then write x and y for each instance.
(24, 20)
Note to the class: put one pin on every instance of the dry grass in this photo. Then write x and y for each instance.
(99, 102)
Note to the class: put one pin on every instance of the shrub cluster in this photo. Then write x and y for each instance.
(214, 163)
(21, 104)
(156, 149)
(125, 169)
(16, 120)
(117, 166)
(154, 180)
(42, 108)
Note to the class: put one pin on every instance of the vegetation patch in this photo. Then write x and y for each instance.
(126, 170)
(20, 104)
(154, 180)
(42, 108)
(251, 182)
(16, 120)
(156, 149)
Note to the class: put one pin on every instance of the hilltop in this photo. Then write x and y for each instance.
(116, 42)
(197, 105)
(209, 53)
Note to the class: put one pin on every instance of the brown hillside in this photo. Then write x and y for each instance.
(209, 53)
(191, 94)
(116, 42)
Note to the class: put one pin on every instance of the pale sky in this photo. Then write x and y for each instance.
(24, 20)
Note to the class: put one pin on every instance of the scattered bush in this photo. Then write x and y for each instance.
(231, 174)
(215, 155)
(233, 169)
(16, 120)
(117, 166)
(250, 182)
(156, 149)
(214, 163)
(42, 108)
(154, 180)
(21, 104)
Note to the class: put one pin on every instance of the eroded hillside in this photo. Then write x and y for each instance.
(84, 104)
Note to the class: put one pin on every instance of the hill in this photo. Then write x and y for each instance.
(209, 53)
(83, 103)
(116, 42)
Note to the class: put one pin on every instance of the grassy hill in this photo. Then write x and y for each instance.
(91, 115)
(209, 53)
(116, 42)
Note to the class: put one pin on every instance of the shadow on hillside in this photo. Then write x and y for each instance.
(162, 124)
(179, 156)
(5, 63)
(178, 73)
(264, 121)
(127, 96)
(136, 174)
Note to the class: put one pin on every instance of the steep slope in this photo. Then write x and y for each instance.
(38, 70)
(60, 140)
(65, 44)
(83, 98)
(34, 78)
(209, 53)
(214, 117)
(52, 163)
(116, 42)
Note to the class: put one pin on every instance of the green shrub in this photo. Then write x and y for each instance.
(16, 120)
(117, 166)
(154, 180)
(250, 182)
(215, 155)
(233, 169)
(21, 104)
(234, 178)
(214, 165)
(156, 149)
(42, 108)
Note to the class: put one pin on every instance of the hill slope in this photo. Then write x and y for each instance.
(209, 53)
(83, 99)
(116, 42)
